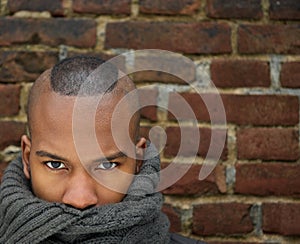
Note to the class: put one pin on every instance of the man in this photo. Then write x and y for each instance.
(64, 189)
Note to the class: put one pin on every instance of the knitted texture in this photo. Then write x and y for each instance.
(25, 218)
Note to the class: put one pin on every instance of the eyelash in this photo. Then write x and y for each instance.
(113, 163)
(48, 164)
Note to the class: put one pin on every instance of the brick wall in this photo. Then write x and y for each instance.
(251, 51)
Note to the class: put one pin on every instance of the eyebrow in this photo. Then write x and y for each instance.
(111, 157)
(42, 153)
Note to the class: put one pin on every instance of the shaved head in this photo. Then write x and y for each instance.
(81, 76)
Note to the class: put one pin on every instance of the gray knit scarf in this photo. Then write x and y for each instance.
(25, 218)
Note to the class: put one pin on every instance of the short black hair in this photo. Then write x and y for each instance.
(83, 75)
(80, 76)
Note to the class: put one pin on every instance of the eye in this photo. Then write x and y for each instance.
(107, 165)
(55, 165)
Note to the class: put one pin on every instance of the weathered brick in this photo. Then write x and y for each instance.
(251, 109)
(55, 31)
(262, 109)
(186, 37)
(190, 184)
(280, 39)
(11, 133)
(284, 9)
(249, 9)
(9, 100)
(188, 147)
(290, 75)
(156, 76)
(119, 61)
(268, 143)
(176, 70)
(174, 216)
(147, 98)
(192, 106)
(240, 73)
(222, 218)
(102, 6)
(169, 7)
(55, 7)
(25, 66)
(268, 179)
(281, 218)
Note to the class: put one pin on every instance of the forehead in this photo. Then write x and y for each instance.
(53, 117)
(51, 107)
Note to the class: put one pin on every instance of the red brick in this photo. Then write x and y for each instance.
(252, 109)
(11, 133)
(190, 184)
(195, 102)
(290, 75)
(281, 218)
(284, 9)
(119, 61)
(148, 97)
(280, 39)
(186, 37)
(102, 6)
(55, 7)
(174, 217)
(250, 9)
(240, 73)
(55, 31)
(188, 147)
(156, 76)
(268, 143)
(169, 7)
(222, 218)
(176, 69)
(262, 109)
(25, 66)
(9, 100)
(266, 179)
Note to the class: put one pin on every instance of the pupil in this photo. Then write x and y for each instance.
(107, 165)
(55, 164)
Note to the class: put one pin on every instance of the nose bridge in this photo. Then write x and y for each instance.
(80, 192)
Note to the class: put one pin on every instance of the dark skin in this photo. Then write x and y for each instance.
(53, 165)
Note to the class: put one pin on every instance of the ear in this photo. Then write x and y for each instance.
(26, 146)
(141, 144)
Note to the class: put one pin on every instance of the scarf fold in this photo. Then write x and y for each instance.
(25, 218)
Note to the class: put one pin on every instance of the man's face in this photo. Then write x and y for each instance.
(52, 163)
